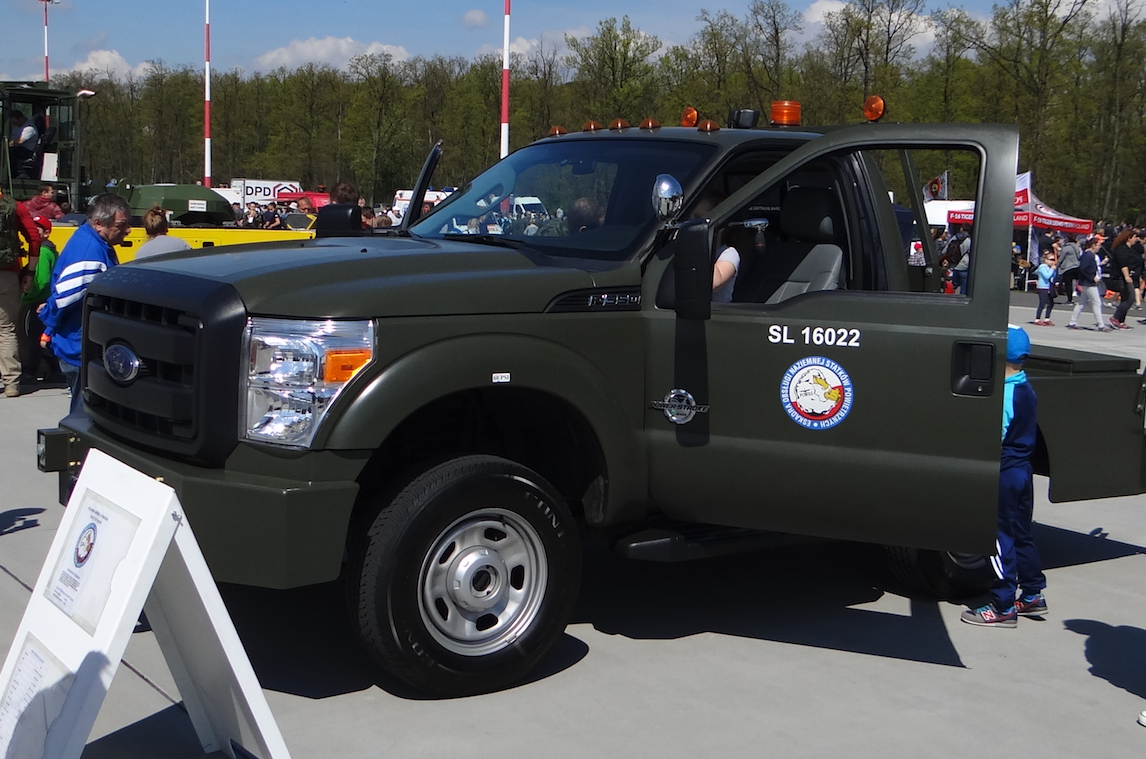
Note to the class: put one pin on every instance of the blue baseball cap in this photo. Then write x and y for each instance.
(1018, 345)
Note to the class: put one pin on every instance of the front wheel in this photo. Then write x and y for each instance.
(467, 577)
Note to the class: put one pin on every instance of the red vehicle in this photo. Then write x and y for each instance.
(319, 199)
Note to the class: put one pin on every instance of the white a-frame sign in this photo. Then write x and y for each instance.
(124, 541)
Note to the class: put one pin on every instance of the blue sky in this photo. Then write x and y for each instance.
(124, 34)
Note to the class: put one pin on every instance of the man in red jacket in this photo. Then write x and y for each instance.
(44, 204)
(19, 223)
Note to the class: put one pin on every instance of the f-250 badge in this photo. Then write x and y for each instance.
(679, 406)
(816, 392)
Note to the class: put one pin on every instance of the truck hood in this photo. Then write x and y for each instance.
(352, 277)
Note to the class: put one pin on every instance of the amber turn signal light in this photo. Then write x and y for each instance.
(344, 363)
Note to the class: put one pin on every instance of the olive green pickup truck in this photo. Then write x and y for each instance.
(440, 414)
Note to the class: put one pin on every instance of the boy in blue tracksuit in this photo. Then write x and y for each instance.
(1017, 564)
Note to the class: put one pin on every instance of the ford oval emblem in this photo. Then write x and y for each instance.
(121, 363)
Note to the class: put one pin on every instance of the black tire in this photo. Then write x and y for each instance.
(952, 576)
(467, 576)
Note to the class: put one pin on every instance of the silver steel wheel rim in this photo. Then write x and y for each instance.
(969, 561)
(482, 582)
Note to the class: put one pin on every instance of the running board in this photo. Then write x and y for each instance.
(657, 544)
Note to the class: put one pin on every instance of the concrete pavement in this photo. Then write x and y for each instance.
(802, 651)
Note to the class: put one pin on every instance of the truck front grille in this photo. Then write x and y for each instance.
(185, 334)
(157, 400)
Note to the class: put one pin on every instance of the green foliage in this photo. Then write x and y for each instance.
(1073, 78)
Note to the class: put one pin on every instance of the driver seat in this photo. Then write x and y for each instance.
(805, 257)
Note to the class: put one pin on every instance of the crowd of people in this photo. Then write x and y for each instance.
(41, 301)
(269, 215)
(1103, 269)
(274, 215)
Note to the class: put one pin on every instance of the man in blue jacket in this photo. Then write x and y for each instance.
(88, 253)
(1017, 564)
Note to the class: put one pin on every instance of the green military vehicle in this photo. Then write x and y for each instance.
(438, 416)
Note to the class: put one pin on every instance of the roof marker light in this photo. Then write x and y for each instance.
(592, 126)
(785, 113)
(618, 124)
(708, 125)
(557, 130)
(874, 108)
(650, 124)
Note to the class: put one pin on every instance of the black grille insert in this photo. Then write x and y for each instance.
(154, 333)
(187, 334)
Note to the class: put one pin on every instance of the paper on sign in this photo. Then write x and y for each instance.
(82, 578)
(34, 699)
(196, 205)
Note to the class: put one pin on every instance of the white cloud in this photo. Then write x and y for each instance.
(548, 39)
(518, 45)
(475, 17)
(335, 51)
(103, 61)
(820, 8)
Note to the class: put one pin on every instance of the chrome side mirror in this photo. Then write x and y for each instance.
(668, 197)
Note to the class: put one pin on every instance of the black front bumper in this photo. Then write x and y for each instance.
(254, 529)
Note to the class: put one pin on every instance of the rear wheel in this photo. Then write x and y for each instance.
(943, 574)
(467, 576)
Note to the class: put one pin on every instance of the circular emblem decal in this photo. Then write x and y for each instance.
(85, 545)
(816, 393)
(121, 363)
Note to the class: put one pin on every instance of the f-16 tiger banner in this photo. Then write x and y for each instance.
(1030, 212)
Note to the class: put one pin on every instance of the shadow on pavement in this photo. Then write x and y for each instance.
(1114, 653)
(15, 520)
(800, 594)
(1065, 548)
(301, 642)
(170, 729)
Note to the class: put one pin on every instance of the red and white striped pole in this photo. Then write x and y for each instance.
(45, 2)
(505, 87)
(207, 96)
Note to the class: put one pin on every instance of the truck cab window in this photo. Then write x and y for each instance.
(822, 233)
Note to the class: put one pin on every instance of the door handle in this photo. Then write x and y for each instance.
(973, 369)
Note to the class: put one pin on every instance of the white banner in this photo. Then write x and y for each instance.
(264, 191)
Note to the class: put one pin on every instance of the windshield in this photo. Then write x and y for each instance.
(575, 199)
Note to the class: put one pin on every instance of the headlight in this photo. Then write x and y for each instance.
(295, 370)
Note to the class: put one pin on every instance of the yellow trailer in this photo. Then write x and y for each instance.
(196, 237)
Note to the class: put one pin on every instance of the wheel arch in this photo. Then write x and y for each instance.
(441, 400)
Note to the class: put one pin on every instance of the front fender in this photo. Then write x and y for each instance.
(464, 363)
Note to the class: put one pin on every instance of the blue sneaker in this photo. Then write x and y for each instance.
(1031, 606)
(987, 616)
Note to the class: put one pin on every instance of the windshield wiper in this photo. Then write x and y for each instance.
(498, 240)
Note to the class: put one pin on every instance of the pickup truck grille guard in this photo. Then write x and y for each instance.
(183, 340)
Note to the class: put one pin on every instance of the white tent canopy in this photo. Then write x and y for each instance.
(1029, 212)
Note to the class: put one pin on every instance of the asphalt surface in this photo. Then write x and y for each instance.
(800, 651)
